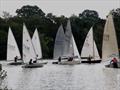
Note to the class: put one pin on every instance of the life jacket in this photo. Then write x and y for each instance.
(114, 60)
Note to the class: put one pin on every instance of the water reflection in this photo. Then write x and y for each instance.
(60, 77)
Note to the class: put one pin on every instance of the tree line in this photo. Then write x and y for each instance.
(47, 25)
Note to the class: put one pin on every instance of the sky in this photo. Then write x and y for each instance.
(62, 7)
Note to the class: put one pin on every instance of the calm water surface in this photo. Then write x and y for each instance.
(63, 77)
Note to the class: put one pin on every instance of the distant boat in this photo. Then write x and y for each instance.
(37, 46)
(70, 48)
(89, 49)
(110, 46)
(12, 49)
(28, 50)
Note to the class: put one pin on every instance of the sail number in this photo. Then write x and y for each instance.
(106, 37)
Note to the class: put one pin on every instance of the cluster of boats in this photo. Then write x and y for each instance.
(65, 48)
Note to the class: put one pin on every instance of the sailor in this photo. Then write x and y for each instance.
(15, 59)
(59, 59)
(70, 58)
(36, 59)
(114, 62)
(30, 62)
(89, 58)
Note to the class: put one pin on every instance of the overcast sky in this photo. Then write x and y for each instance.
(62, 7)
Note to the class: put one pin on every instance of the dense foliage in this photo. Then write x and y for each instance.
(48, 24)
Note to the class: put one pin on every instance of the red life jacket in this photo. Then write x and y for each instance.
(114, 60)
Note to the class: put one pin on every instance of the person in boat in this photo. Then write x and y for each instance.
(70, 59)
(30, 62)
(16, 58)
(36, 59)
(89, 58)
(0, 67)
(59, 59)
(114, 62)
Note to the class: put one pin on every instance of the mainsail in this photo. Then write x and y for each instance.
(70, 48)
(68, 45)
(89, 47)
(12, 48)
(110, 46)
(37, 44)
(28, 50)
(75, 50)
(59, 43)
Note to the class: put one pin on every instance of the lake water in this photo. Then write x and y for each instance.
(63, 77)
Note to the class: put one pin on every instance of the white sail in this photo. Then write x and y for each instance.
(89, 47)
(59, 43)
(68, 45)
(75, 50)
(110, 46)
(28, 50)
(96, 54)
(12, 48)
(37, 44)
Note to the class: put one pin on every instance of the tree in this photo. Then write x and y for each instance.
(6, 15)
(89, 16)
(29, 11)
(115, 12)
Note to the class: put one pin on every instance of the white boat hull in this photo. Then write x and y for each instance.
(69, 62)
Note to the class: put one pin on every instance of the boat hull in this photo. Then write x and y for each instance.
(43, 62)
(54, 62)
(111, 66)
(94, 61)
(16, 63)
(35, 65)
(69, 62)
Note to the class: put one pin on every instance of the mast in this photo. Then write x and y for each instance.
(93, 45)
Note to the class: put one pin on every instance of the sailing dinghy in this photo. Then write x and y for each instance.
(28, 50)
(89, 50)
(37, 46)
(70, 48)
(59, 44)
(110, 46)
(12, 49)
